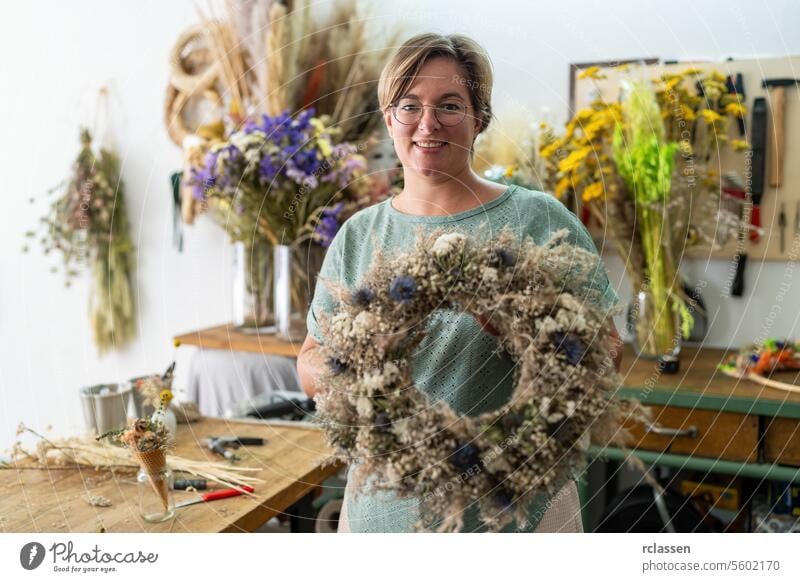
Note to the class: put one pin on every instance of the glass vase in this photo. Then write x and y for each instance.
(654, 326)
(155, 494)
(296, 270)
(253, 287)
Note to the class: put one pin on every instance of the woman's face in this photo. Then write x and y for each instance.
(428, 146)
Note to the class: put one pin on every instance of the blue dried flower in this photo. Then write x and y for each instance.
(382, 422)
(403, 289)
(362, 297)
(502, 258)
(267, 169)
(504, 498)
(466, 456)
(512, 421)
(337, 366)
(328, 224)
(571, 346)
(563, 432)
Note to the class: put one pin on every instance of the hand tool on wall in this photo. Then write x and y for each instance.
(777, 98)
(735, 86)
(797, 220)
(782, 226)
(214, 495)
(758, 142)
(734, 194)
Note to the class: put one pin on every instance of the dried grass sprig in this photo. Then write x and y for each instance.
(71, 452)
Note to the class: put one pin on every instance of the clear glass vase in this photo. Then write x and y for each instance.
(155, 495)
(296, 270)
(253, 287)
(654, 326)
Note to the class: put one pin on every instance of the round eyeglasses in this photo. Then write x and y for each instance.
(408, 111)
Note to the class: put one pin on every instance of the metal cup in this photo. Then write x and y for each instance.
(105, 407)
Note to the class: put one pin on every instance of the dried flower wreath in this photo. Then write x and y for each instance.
(539, 299)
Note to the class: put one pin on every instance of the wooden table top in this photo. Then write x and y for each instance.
(291, 462)
(699, 384)
(228, 337)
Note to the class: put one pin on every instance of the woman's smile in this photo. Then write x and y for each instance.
(429, 146)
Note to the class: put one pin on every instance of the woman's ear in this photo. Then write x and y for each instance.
(478, 122)
(387, 119)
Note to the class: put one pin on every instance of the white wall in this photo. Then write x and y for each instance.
(56, 54)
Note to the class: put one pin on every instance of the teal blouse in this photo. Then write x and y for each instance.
(455, 361)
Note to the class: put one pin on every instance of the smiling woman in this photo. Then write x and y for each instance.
(435, 95)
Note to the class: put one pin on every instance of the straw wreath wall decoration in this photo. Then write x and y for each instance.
(547, 317)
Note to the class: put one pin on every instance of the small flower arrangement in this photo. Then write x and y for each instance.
(278, 177)
(142, 435)
(148, 441)
(539, 299)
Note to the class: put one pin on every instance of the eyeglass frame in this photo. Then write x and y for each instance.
(435, 108)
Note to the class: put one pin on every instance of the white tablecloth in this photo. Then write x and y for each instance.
(218, 379)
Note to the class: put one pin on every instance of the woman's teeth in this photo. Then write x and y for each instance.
(429, 144)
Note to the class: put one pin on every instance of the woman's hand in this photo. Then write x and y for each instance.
(486, 326)
(616, 346)
(309, 366)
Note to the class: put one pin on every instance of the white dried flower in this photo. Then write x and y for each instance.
(244, 141)
(373, 382)
(547, 325)
(340, 323)
(448, 243)
(391, 371)
(363, 324)
(402, 430)
(496, 464)
(364, 406)
(489, 275)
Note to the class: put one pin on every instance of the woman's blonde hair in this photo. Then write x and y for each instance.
(404, 66)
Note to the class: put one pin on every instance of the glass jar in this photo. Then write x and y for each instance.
(252, 287)
(155, 495)
(655, 328)
(296, 270)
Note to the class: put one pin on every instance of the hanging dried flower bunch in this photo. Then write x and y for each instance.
(88, 225)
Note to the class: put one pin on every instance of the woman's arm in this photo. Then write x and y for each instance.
(309, 366)
(616, 345)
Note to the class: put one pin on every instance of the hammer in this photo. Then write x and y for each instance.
(777, 97)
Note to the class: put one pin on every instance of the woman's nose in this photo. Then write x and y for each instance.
(428, 121)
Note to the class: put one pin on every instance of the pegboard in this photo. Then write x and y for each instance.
(787, 194)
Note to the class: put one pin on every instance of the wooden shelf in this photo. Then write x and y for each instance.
(228, 337)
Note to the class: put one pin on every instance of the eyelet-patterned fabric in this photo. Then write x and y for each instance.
(456, 361)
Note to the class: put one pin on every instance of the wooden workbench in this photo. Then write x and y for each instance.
(742, 428)
(291, 463)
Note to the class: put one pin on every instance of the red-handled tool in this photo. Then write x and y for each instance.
(214, 495)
